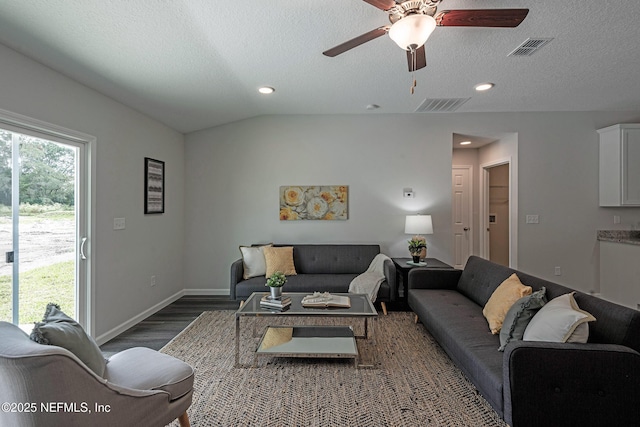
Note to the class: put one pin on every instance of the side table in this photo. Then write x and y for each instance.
(402, 271)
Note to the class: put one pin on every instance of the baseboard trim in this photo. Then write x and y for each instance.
(221, 292)
(101, 339)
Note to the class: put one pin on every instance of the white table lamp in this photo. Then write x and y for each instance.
(418, 225)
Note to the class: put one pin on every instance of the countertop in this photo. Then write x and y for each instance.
(631, 237)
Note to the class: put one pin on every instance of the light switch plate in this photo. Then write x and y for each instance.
(532, 219)
(118, 223)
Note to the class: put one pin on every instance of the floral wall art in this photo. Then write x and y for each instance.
(317, 202)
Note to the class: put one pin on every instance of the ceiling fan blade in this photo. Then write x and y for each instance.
(382, 4)
(421, 59)
(361, 39)
(481, 17)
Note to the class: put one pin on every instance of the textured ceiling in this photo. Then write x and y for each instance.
(194, 64)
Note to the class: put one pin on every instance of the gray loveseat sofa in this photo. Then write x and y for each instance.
(321, 267)
(533, 383)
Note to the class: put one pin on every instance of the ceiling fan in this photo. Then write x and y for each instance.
(413, 21)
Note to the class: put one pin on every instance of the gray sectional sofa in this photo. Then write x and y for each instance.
(320, 267)
(533, 383)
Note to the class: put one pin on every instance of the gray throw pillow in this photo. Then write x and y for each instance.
(60, 330)
(519, 316)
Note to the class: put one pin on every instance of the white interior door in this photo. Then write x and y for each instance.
(462, 196)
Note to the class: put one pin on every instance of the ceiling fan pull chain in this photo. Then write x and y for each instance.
(414, 62)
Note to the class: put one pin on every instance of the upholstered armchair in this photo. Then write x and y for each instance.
(47, 385)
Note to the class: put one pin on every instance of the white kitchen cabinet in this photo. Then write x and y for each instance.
(620, 273)
(620, 165)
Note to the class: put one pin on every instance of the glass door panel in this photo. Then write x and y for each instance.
(47, 228)
(43, 229)
(6, 228)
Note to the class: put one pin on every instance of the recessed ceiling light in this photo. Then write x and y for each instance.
(465, 143)
(266, 90)
(483, 86)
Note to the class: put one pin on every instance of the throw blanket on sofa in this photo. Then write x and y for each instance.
(369, 282)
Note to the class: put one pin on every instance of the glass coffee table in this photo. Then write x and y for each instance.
(311, 341)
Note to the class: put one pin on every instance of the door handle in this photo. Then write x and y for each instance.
(82, 243)
(466, 229)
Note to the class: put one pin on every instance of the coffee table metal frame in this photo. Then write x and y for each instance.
(361, 308)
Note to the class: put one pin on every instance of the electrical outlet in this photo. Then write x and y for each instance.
(532, 219)
(558, 271)
(118, 223)
(153, 281)
(616, 219)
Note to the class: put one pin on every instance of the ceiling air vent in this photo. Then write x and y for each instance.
(441, 105)
(529, 47)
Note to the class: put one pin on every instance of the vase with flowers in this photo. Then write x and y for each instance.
(416, 245)
(275, 282)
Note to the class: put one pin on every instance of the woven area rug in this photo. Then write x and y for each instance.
(414, 384)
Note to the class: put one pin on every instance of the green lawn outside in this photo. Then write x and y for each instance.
(27, 209)
(38, 287)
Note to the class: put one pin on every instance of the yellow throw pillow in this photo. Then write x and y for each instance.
(279, 259)
(505, 295)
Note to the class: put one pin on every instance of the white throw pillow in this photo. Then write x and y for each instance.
(253, 261)
(560, 320)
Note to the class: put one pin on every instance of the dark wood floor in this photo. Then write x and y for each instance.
(158, 329)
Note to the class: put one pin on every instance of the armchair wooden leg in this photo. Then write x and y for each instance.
(241, 303)
(384, 307)
(184, 420)
(415, 318)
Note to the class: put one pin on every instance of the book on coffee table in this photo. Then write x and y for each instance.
(326, 300)
(268, 302)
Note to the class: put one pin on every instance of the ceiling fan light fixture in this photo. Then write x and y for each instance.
(412, 31)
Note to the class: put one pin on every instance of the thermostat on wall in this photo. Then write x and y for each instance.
(407, 193)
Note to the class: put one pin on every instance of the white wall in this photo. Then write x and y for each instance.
(150, 245)
(234, 171)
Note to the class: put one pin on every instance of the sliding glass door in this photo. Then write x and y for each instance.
(42, 228)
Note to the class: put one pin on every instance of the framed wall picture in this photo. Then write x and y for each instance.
(323, 202)
(153, 186)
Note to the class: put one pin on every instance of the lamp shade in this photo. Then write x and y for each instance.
(412, 31)
(418, 224)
